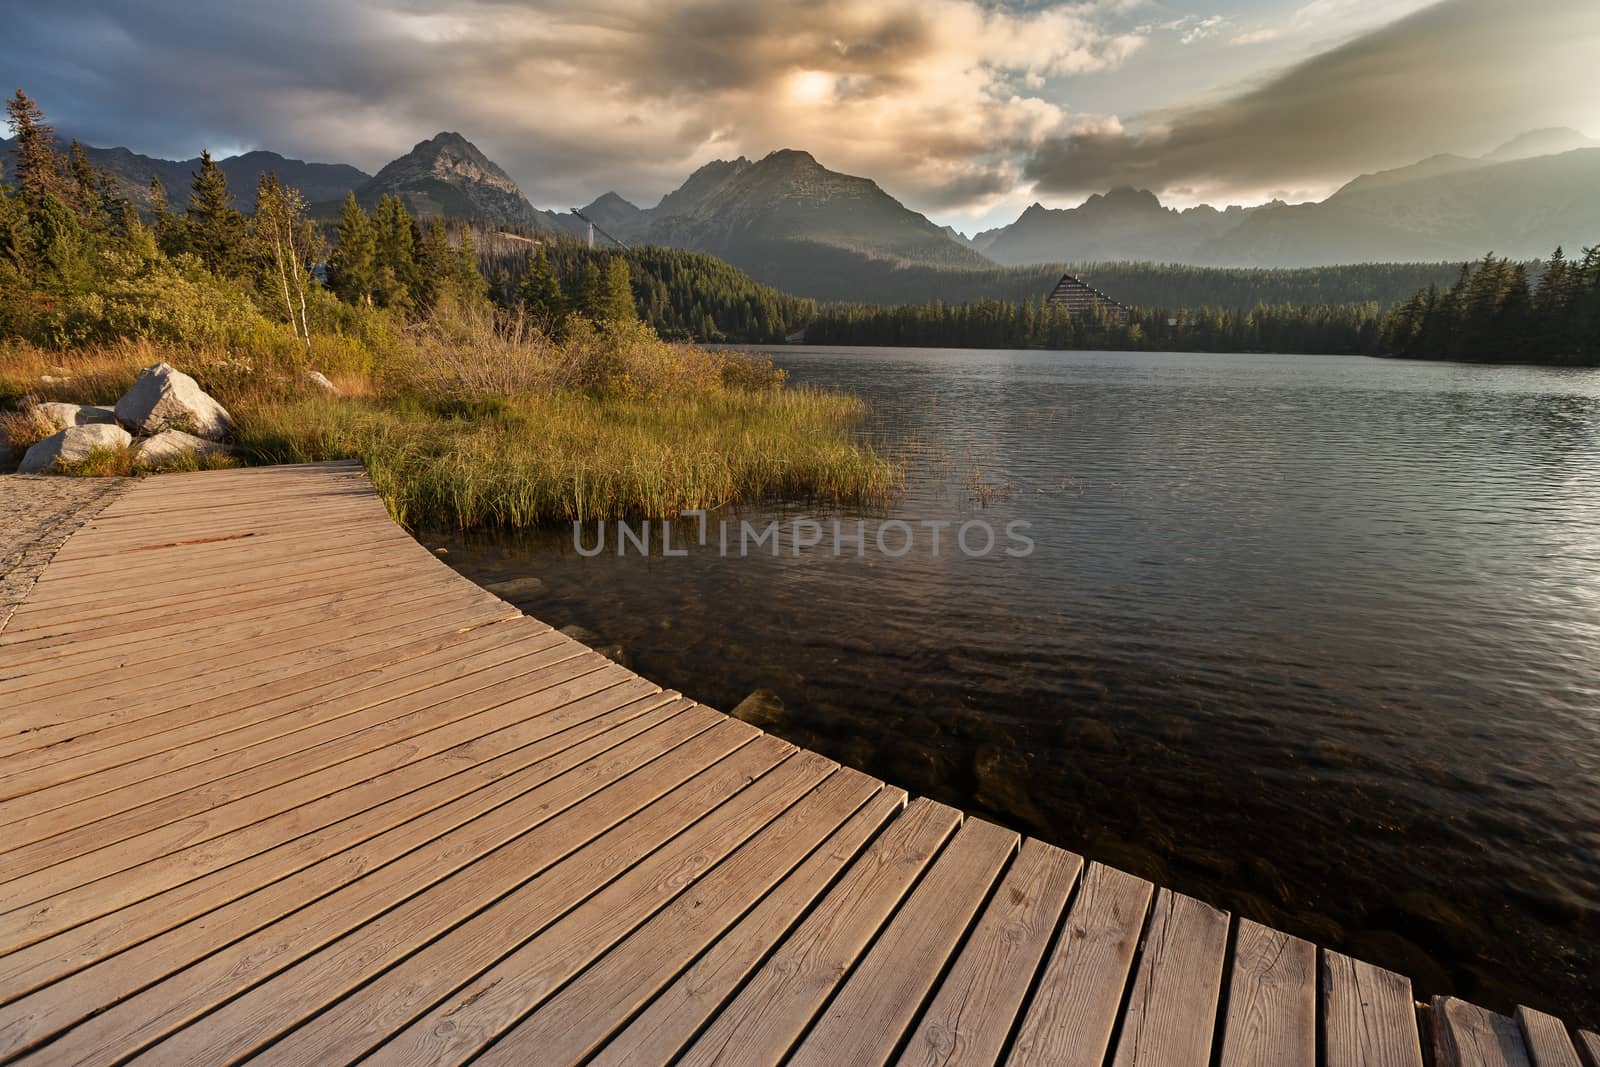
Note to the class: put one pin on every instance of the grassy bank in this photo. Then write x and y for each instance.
(482, 421)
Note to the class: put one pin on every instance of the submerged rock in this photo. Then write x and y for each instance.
(516, 587)
(581, 634)
(169, 446)
(164, 398)
(762, 708)
(72, 445)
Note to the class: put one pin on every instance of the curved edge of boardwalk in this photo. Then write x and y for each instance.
(279, 787)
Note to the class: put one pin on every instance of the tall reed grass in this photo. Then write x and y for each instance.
(479, 420)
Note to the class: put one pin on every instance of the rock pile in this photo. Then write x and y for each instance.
(165, 416)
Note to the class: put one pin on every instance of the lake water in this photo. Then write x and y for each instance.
(1314, 639)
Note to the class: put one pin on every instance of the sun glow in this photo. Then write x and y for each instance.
(809, 86)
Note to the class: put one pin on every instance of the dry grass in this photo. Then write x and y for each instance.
(483, 421)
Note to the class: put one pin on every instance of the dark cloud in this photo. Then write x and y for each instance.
(1449, 78)
(572, 97)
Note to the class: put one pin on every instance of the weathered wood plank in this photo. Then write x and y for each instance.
(519, 894)
(1070, 1019)
(780, 1000)
(1172, 1012)
(1272, 1000)
(1547, 1040)
(1368, 1019)
(1590, 1043)
(205, 853)
(660, 1032)
(522, 849)
(1466, 1035)
(245, 895)
(972, 1014)
(487, 1007)
(868, 1016)
(572, 1024)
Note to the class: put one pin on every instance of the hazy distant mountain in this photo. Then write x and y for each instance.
(1549, 142)
(792, 223)
(1124, 224)
(1521, 209)
(610, 212)
(1518, 201)
(317, 181)
(447, 176)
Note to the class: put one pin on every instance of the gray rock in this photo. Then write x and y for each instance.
(163, 398)
(320, 380)
(171, 445)
(71, 446)
(581, 634)
(64, 415)
(511, 588)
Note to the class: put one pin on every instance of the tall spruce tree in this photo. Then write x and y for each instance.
(540, 293)
(608, 292)
(352, 265)
(86, 189)
(39, 170)
(216, 227)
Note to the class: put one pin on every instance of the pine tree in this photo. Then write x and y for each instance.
(353, 263)
(216, 227)
(86, 186)
(540, 293)
(608, 293)
(171, 231)
(39, 171)
(395, 266)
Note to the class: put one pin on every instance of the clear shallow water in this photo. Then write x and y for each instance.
(1316, 639)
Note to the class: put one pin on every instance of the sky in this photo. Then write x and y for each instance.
(967, 110)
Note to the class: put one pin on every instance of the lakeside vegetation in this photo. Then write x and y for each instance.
(1495, 311)
(550, 408)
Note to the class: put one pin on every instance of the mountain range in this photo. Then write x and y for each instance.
(794, 224)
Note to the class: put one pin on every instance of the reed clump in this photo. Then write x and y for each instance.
(479, 418)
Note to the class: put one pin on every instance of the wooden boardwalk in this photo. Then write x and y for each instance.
(279, 787)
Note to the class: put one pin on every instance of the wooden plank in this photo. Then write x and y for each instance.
(155, 874)
(105, 721)
(660, 1032)
(1071, 1017)
(780, 1000)
(59, 698)
(1465, 1035)
(522, 849)
(1367, 1015)
(306, 739)
(971, 1016)
(109, 959)
(868, 1017)
(571, 1025)
(210, 729)
(540, 887)
(1173, 1009)
(1590, 1042)
(485, 1008)
(1272, 1000)
(116, 840)
(1547, 1040)
(29, 670)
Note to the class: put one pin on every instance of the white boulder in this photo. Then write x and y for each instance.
(163, 398)
(64, 415)
(171, 445)
(320, 380)
(72, 445)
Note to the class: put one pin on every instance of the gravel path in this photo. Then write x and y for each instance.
(37, 513)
